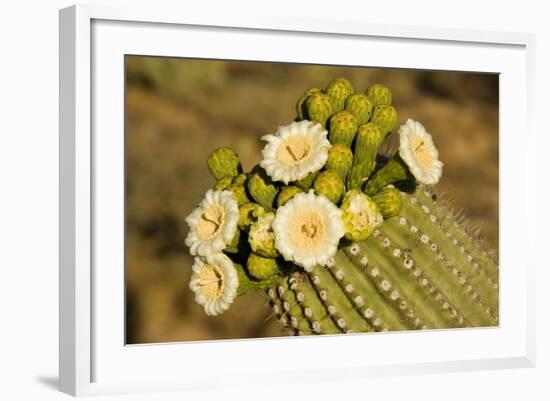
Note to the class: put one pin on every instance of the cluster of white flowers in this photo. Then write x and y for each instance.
(307, 229)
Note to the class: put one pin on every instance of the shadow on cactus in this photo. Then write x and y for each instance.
(342, 238)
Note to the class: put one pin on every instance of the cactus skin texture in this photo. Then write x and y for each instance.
(419, 270)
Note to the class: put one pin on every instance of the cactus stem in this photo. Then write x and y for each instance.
(446, 315)
(313, 308)
(357, 288)
(297, 318)
(448, 279)
(458, 232)
(408, 296)
(474, 270)
(277, 306)
(331, 295)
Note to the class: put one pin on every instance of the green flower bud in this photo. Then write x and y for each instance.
(260, 267)
(360, 215)
(368, 139)
(395, 170)
(261, 237)
(262, 190)
(319, 108)
(239, 193)
(379, 95)
(240, 179)
(301, 109)
(385, 117)
(248, 214)
(360, 106)
(248, 283)
(224, 162)
(340, 159)
(329, 184)
(388, 201)
(223, 183)
(339, 90)
(342, 128)
(238, 243)
(286, 194)
(357, 175)
(305, 183)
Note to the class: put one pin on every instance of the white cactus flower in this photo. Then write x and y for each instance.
(215, 282)
(418, 151)
(213, 224)
(295, 150)
(308, 229)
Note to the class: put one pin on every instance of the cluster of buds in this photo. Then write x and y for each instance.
(321, 181)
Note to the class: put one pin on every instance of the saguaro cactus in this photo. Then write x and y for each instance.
(420, 270)
(342, 239)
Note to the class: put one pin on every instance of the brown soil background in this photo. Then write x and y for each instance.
(178, 111)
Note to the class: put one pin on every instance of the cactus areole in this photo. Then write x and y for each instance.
(342, 239)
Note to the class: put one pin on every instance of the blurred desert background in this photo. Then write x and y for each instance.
(178, 111)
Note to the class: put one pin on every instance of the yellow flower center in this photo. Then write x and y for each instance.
(210, 222)
(211, 281)
(364, 219)
(422, 153)
(294, 150)
(308, 231)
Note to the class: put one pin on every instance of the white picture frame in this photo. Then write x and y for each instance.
(93, 356)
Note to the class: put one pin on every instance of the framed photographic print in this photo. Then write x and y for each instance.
(290, 198)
